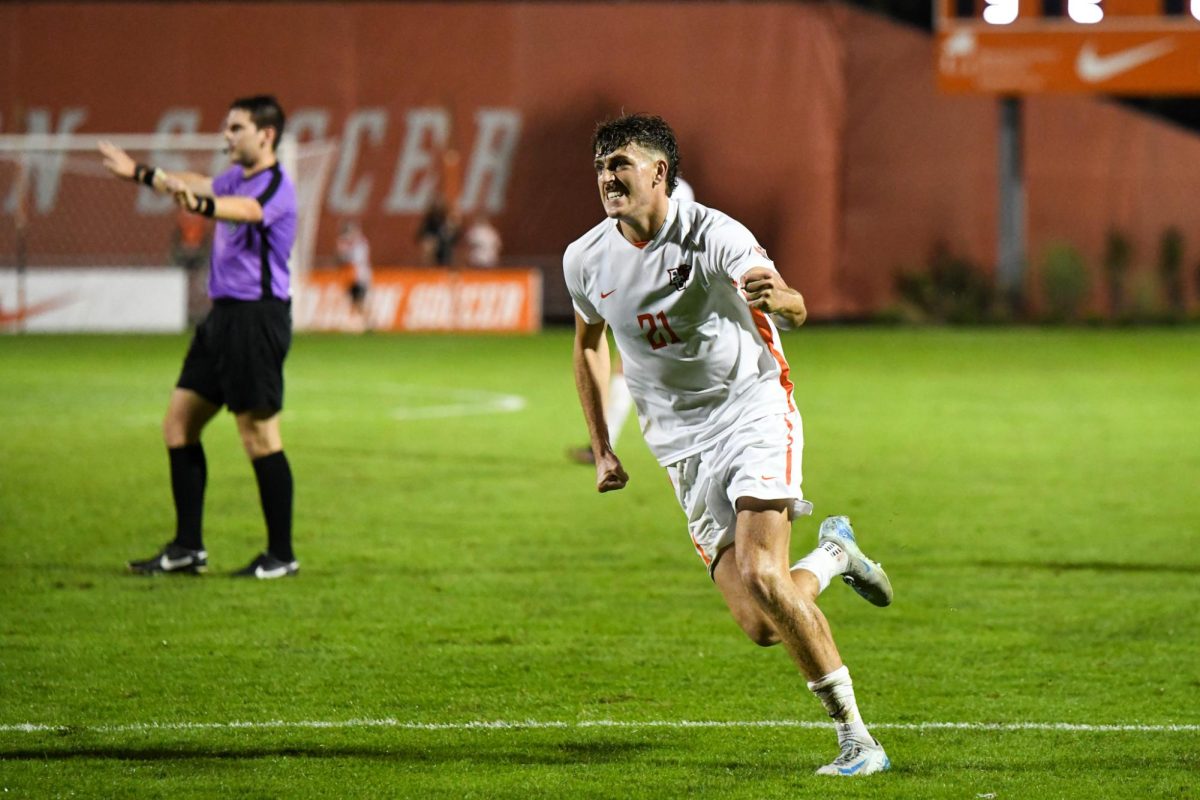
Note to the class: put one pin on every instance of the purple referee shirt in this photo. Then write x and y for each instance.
(250, 260)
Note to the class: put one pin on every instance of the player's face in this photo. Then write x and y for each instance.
(245, 142)
(628, 178)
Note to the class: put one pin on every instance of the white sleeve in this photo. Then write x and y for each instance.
(576, 287)
(736, 251)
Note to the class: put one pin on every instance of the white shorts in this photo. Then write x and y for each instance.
(760, 460)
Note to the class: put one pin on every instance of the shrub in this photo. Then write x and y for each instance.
(1170, 270)
(1118, 253)
(1145, 298)
(1065, 282)
(951, 289)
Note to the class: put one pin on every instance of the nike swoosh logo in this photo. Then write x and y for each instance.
(278, 572)
(28, 312)
(174, 563)
(1095, 68)
(606, 294)
(767, 477)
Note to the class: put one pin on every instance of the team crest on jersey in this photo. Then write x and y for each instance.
(679, 276)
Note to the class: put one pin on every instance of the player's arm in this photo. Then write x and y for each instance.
(119, 163)
(766, 291)
(591, 373)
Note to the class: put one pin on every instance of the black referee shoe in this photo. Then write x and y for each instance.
(266, 567)
(172, 559)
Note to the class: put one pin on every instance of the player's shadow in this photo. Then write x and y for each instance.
(564, 753)
(1092, 566)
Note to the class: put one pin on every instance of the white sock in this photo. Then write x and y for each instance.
(836, 693)
(620, 403)
(825, 562)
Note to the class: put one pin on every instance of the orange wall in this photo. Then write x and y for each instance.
(816, 125)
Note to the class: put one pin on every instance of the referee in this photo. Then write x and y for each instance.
(236, 355)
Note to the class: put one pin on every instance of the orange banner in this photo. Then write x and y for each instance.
(505, 300)
(1067, 46)
(981, 59)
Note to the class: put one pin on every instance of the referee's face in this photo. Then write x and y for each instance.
(245, 142)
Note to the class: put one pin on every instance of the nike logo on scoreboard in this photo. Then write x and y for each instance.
(1095, 68)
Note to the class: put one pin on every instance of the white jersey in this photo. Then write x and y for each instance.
(698, 360)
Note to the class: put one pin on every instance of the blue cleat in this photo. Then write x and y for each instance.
(857, 758)
(862, 574)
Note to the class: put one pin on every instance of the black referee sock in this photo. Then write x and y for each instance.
(275, 491)
(189, 473)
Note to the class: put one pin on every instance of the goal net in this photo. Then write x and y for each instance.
(62, 208)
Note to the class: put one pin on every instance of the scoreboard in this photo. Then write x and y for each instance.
(1016, 47)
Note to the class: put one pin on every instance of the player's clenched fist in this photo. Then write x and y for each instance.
(766, 291)
(610, 475)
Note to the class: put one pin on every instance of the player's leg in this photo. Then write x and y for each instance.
(745, 611)
(762, 539)
(620, 402)
(787, 598)
(358, 295)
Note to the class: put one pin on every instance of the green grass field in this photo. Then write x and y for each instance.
(1033, 493)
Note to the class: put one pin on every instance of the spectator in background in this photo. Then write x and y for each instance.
(189, 249)
(438, 234)
(483, 243)
(354, 249)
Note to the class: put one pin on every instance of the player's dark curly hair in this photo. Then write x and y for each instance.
(646, 131)
(265, 112)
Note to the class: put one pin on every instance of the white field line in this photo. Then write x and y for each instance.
(143, 727)
(427, 404)
(477, 405)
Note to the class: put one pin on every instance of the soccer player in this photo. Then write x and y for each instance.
(618, 403)
(236, 355)
(690, 296)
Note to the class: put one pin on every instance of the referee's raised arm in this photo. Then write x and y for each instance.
(122, 165)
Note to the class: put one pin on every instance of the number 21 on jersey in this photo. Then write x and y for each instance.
(658, 333)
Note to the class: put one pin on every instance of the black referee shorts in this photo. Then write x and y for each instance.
(236, 356)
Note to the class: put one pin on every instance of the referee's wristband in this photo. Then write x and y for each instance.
(206, 206)
(144, 173)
